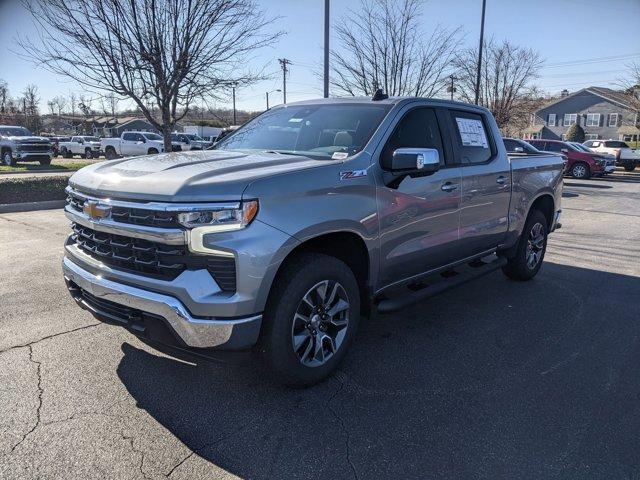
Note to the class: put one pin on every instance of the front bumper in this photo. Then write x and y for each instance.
(141, 310)
(21, 155)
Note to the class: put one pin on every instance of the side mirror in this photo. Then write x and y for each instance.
(518, 150)
(144, 140)
(564, 150)
(415, 161)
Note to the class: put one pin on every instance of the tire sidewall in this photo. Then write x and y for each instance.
(7, 159)
(535, 217)
(276, 342)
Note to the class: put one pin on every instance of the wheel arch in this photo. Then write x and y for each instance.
(546, 204)
(347, 246)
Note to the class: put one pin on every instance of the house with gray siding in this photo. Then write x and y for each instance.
(603, 113)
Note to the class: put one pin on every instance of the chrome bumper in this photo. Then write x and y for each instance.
(235, 334)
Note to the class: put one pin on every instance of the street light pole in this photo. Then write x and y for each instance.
(278, 90)
(484, 5)
(233, 89)
(326, 48)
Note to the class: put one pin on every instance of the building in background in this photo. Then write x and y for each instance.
(603, 113)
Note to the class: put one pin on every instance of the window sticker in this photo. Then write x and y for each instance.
(295, 120)
(339, 155)
(472, 133)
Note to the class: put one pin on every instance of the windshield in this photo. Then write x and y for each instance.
(581, 147)
(191, 136)
(152, 136)
(319, 131)
(14, 132)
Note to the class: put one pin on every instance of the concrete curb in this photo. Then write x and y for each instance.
(36, 172)
(31, 206)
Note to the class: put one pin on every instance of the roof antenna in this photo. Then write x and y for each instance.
(379, 95)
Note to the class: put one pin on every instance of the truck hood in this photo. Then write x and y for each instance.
(27, 139)
(194, 176)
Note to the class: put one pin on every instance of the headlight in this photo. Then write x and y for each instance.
(205, 222)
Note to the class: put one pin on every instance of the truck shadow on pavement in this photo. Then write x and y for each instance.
(493, 379)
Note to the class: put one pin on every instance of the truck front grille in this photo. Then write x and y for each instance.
(34, 147)
(133, 216)
(157, 260)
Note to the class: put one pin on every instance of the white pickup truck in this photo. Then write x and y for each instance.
(132, 143)
(85, 146)
(626, 156)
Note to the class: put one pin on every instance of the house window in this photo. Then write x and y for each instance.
(591, 136)
(613, 119)
(570, 119)
(551, 120)
(593, 119)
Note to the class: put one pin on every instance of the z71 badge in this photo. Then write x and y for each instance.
(352, 174)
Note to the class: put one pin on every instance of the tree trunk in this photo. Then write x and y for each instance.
(166, 131)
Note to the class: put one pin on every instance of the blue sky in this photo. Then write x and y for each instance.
(586, 33)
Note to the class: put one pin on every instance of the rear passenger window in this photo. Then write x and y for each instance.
(417, 129)
(554, 147)
(128, 136)
(470, 138)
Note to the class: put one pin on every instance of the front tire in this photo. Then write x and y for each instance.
(629, 167)
(8, 160)
(581, 171)
(531, 249)
(311, 319)
(88, 154)
(45, 161)
(152, 151)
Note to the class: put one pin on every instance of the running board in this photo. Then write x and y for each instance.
(439, 283)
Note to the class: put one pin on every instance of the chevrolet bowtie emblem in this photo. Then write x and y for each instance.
(95, 210)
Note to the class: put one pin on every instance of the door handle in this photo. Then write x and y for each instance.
(448, 187)
(501, 180)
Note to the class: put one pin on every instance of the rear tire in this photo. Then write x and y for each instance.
(630, 167)
(580, 171)
(45, 161)
(152, 151)
(110, 153)
(88, 154)
(532, 246)
(302, 340)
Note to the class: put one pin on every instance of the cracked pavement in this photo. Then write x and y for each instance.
(494, 379)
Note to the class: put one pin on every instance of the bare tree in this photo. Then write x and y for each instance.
(30, 107)
(84, 104)
(381, 46)
(73, 102)
(630, 84)
(4, 96)
(172, 52)
(52, 106)
(506, 76)
(60, 103)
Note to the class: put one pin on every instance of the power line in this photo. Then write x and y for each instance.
(587, 61)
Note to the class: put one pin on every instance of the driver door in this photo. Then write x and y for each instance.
(419, 217)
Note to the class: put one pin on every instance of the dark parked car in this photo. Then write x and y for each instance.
(580, 164)
(516, 146)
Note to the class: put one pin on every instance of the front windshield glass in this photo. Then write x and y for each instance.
(318, 131)
(152, 136)
(14, 132)
(193, 137)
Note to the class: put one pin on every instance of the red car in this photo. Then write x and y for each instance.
(580, 164)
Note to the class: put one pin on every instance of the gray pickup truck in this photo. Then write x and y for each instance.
(19, 144)
(303, 221)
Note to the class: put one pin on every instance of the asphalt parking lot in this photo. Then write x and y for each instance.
(495, 379)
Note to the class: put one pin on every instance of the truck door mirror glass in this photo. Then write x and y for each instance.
(415, 160)
(518, 150)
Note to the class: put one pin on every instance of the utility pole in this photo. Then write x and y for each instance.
(452, 88)
(233, 89)
(484, 6)
(284, 65)
(326, 48)
(278, 90)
